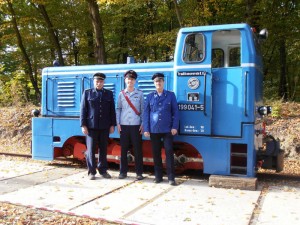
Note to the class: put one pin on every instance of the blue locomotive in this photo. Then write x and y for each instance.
(217, 78)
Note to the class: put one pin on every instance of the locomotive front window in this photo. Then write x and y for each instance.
(193, 48)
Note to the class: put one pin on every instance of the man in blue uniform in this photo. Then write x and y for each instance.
(161, 122)
(97, 121)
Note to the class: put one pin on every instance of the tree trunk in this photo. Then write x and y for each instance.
(122, 57)
(24, 52)
(53, 33)
(283, 82)
(90, 41)
(98, 31)
(178, 13)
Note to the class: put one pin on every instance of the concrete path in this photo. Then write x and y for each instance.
(142, 202)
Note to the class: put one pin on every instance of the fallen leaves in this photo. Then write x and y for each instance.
(20, 215)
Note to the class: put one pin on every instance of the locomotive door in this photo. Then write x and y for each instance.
(194, 87)
(63, 95)
(227, 84)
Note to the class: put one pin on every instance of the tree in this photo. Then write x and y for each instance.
(53, 33)
(28, 69)
(283, 22)
(145, 29)
(178, 13)
(98, 31)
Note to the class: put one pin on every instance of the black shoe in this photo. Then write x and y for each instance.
(172, 182)
(157, 180)
(122, 176)
(106, 175)
(92, 177)
(139, 177)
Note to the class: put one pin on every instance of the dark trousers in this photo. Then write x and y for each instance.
(131, 134)
(157, 141)
(93, 139)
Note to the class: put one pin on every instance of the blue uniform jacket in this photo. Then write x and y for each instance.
(96, 112)
(161, 112)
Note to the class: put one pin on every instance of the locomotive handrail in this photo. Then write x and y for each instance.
(47, 109)
(47, 94)
(246, 91)
(204, 94)
(82, 84)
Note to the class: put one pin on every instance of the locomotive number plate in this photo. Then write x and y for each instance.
(190, 107)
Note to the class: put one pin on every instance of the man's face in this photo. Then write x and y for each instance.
(130, 82)
(159, 83)
(98, 83)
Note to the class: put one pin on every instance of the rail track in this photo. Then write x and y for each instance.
(29, 156)
(278, 176)
(15, 155)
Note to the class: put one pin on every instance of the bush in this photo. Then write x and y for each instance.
(14, 90)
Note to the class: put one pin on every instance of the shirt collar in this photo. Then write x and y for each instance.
(164, 93)
(134, 91)
(95, 90)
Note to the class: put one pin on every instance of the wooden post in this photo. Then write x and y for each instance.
(243, 183)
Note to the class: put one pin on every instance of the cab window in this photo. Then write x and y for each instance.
(193, 48)
(217, 58)
(226, 48)
(235, 56)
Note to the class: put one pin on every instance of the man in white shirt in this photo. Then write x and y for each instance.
(129, 113)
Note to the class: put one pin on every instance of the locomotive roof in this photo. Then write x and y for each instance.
(109, 68)
(215, 27)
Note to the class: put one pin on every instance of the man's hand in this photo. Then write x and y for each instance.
(174, 132)
(141, 129)
(85, 130)
(146, 134)
(112, 129)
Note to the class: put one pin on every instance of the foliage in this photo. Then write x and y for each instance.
(145, 29)
(282, 20)
(16, 91)
(271, 89)
(276, 105)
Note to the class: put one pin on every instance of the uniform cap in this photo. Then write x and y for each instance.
(158, 75)
(130, 74)
(100, 76)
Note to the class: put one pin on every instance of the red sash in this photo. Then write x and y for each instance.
(130, 103)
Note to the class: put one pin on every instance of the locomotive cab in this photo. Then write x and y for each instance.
(219, 89)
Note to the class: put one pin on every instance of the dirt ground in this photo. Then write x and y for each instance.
(15, 137)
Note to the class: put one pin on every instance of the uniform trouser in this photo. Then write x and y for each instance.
(131, 134)
(157, 139)
(93, 139)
